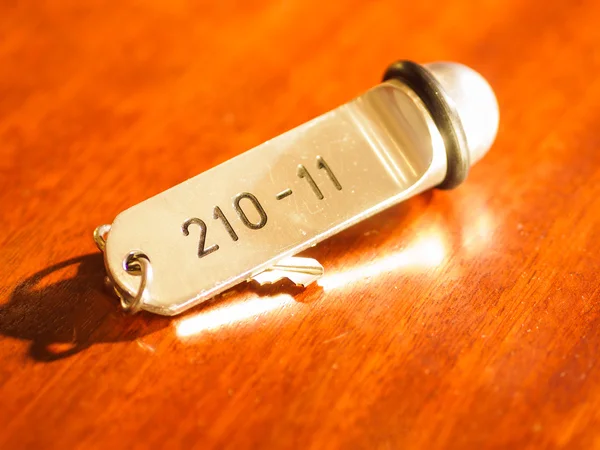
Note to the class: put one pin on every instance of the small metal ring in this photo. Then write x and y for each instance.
(444, 115)
(100, 236)
(137, 263)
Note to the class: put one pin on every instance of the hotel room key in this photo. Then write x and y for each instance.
(424, 126)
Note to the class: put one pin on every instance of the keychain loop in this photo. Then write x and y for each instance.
(100, 236)
(138, 264)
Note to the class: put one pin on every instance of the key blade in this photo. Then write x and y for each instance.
(300, 271)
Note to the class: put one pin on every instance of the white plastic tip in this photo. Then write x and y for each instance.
(475, 104)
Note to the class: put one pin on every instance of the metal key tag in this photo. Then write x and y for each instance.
(246, 219)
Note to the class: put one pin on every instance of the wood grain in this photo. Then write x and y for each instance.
(460, 319)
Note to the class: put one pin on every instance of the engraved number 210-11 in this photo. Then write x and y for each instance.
(218, 214)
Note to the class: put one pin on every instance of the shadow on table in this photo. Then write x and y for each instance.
(65, 316)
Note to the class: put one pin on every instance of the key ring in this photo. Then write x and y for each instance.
(136, 263)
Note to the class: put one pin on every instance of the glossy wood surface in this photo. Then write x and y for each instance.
(460, 319)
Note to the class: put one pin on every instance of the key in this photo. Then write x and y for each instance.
(422, 127)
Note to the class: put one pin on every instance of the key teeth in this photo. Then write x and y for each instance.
(300, 271)
(268, 282)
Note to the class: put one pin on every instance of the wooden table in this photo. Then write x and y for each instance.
(460, 319)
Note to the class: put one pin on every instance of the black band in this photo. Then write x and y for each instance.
(444, 116)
